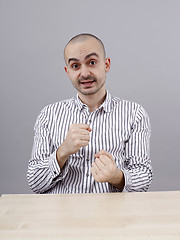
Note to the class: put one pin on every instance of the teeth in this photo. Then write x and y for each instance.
(87, 82)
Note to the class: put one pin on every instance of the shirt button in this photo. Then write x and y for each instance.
(90, 121)
(87, 174)
(87, 159)
(54, 172)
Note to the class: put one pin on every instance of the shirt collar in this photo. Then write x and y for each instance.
(106, 105)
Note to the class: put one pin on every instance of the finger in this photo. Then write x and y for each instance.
(84, 143)
(106, 160)
(84, 137)
(103, 152)
(83, 132)
(96, 167)
(83, 126)
(80, 134)
(89, 129)
(100, 163)
(97, 155)
(94, 173)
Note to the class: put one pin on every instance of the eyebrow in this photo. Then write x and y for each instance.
(88, 56)
(91, 54)
(73, 59)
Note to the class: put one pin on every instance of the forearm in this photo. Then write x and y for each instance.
(137, 166)
(138, 178)
(118, 180)
(43, 174)
(77, 137)
(62, 156)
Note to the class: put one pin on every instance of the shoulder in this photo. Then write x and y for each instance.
(58, 106)
(125, 104)
(133, 109)
(54, 109)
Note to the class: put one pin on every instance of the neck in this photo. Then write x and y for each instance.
(93, 101)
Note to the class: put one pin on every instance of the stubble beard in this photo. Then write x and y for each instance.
(90, 92)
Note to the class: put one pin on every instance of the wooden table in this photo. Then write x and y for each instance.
(151, 215)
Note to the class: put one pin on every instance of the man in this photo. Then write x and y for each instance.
(94, 142)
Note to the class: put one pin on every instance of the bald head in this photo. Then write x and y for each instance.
(80, 38)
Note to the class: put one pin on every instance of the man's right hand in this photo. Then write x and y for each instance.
(78, 136)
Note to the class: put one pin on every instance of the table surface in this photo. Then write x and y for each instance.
(145, 215)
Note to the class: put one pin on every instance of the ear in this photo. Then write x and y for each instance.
(66, 70)
(107, 64)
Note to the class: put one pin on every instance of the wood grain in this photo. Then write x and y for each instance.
(151, 215)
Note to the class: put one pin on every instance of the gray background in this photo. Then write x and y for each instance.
(142, 39)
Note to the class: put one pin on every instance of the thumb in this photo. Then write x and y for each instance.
(97, 155)
(103, 152)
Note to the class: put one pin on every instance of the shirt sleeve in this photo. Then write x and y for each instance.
(137, 167)
(43, 169)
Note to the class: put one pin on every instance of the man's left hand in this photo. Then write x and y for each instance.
(104, 169)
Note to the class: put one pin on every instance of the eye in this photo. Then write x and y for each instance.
(75, 66)
(92, 62)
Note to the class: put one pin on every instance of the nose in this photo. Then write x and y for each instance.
(85, 72)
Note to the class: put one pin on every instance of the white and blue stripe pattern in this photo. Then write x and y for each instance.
(120, 127)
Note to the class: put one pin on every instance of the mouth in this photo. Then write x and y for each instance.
(87, 83)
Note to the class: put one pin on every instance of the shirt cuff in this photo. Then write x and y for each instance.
(53, 165)
(56, 172)
(128, 181)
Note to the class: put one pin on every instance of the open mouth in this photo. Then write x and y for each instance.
(88, 83)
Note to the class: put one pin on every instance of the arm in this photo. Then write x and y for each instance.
(43, 169)
(77, 137)
(137, 167)
(104, 169)
(47, 164)
(136, 172)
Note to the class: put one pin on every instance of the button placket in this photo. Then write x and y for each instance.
(87, 167)
(87, 172)
(91, 118)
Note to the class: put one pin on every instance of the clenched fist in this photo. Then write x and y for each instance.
(104, 169)
(78, 136)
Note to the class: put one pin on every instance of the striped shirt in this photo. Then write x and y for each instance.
(120, 127)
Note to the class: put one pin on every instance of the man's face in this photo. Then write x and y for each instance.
(86, 66)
